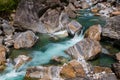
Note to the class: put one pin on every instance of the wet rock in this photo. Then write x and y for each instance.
(43, 73)
(112, 29)
(116, 69)
(94, 32)
(118, 56)
(74, 28)
(72, 69)
(87, 48)
(59, 35)
(2, 57)
(58, 60)
(25, 40)
(20, 60)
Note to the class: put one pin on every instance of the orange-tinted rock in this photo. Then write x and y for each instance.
(98, 69)
(2, 57)
(94, 10)
(116, 13)
(72, 69)
(94, 32)
(118, 56)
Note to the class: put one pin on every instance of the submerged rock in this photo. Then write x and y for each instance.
(58, 60)
(87, 48)
(94, 32)
(25, 40)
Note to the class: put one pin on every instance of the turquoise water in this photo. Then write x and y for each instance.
(40, 57)
(45, 49)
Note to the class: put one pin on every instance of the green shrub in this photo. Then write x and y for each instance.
(8, 5)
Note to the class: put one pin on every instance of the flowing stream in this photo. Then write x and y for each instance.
(43, 56)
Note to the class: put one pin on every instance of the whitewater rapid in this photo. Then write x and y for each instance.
(40, 57)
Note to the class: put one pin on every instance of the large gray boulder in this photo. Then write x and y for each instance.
(87, 48)
(112, 28)
(29, 11)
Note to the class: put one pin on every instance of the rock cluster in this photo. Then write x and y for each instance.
(106, 8)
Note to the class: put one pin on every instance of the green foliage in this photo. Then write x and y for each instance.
(8, 5)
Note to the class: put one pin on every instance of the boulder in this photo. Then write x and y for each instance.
(116, 69)
(25, 40)
(6, 27)
(103, 73)
(20, 60)
(112, 29)
(118, 56)
(94, 32)
(115, 13)
(86, 48)
(43, 73)
(50, 19)
(74, 27)
(27, 17)
(2, 57)
(70, 10)
(39, 15)
(72, 69)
